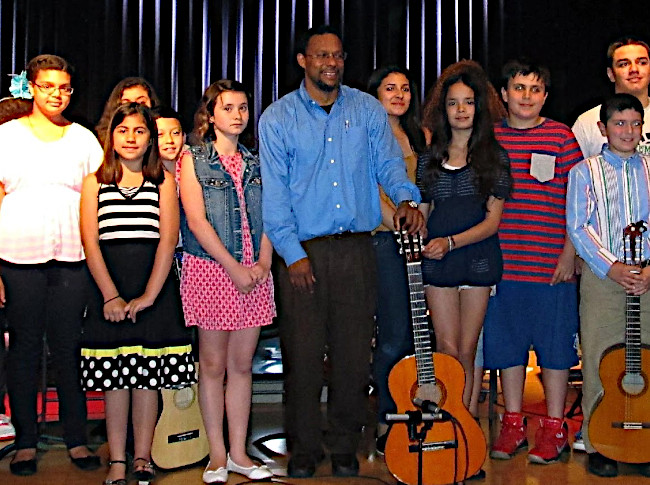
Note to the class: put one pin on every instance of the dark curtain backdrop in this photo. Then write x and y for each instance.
(183, 45)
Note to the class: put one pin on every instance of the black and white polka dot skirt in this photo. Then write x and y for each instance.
(155, 351)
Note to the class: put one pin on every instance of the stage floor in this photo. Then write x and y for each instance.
(55, 468)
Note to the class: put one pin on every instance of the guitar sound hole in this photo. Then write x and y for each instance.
(436, 393)
(183, 398)
(634, 384)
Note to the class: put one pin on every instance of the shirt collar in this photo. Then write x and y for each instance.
(616, 160)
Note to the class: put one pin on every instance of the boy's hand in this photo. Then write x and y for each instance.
(628, 277)
(3, 298)
(643, 285)
(565, 268)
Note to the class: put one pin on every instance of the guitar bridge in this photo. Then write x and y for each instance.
(434, 446)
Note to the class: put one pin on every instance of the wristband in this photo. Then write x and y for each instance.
(111, 299)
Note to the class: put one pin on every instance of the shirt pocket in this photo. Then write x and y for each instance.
(542, 167)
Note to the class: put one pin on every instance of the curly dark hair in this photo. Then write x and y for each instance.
(203, 130)
(115, 99)
(483, 149)
(14, 108)
(410, 121)
(110, 171)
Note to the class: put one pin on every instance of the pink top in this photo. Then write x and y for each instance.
(39, 215)
(210, 299)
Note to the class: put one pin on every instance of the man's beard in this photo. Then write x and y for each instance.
(327, 88)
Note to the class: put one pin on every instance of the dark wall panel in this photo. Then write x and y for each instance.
(183, 45)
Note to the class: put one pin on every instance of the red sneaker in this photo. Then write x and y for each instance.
(511, 438)
(551, 440)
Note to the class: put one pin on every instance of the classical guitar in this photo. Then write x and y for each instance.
(179, 438)
(619, 427)
(454, 448)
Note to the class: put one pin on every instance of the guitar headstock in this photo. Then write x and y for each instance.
(410, 245)
(633, 239)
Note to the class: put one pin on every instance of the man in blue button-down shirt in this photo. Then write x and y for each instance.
(324, 149)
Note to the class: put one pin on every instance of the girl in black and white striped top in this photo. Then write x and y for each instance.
(135, 338)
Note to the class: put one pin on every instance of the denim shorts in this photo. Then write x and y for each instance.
(524, 315)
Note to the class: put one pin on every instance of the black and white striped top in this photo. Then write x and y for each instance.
(128, 212)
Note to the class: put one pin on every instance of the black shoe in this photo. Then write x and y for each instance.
(301, 465)
(86, 463)
(24, 468)
(644, 469)
(602, 466)
(345, 465)
(479, 475)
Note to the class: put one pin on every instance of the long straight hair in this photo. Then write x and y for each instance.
(409, 121)
(110, 171)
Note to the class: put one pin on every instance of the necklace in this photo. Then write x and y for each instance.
(36, 134)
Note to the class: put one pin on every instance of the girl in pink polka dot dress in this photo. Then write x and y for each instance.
(226, 288)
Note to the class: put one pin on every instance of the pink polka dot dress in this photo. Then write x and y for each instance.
(211, 300)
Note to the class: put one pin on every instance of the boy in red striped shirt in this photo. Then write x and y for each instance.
(536, 302)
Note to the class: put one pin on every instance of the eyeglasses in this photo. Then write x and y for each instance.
(47, 89)
(323, 56)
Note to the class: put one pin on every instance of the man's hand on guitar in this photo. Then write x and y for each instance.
(301, 276)
(409, 218)
(627, 276)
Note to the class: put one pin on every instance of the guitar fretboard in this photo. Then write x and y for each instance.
(422, 340)
(633, 334)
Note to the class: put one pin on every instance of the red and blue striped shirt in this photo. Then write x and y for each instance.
(533, 225)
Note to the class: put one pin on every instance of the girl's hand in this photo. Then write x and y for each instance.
(3, 298)
(114, 310)
(138, 304)
(261, 272)
(243, 278)
(436, 248)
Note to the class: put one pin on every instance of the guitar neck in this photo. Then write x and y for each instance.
(632, 334)
(422, 340)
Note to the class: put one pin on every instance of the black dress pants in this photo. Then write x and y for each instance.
(45, 299)
(337, 318)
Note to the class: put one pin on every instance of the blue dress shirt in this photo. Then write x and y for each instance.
(320, 172)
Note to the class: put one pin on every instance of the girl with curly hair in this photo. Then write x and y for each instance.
(464, 178)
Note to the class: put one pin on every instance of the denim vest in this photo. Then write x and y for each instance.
(221, 203)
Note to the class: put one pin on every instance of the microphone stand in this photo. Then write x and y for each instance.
(413, 419)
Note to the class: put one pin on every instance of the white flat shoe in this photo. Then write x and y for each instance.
(220, 475)
(252, 472)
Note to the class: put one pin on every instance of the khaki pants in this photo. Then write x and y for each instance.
(602, 324)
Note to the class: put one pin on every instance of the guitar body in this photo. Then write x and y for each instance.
(440, 466)
(179, 438)
(622, 402)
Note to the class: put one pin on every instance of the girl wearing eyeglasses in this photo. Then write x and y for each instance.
(43, 161)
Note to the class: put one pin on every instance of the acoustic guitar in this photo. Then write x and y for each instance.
(619, 427)
(454, 448)
(179, 438)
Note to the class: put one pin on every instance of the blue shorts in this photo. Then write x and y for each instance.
(522, 315)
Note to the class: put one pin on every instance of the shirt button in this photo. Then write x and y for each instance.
(329, 139)
(335, 184)
(338, 206)
(332, 160)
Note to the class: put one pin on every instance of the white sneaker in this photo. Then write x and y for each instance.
(7, 431)
(578, 442)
